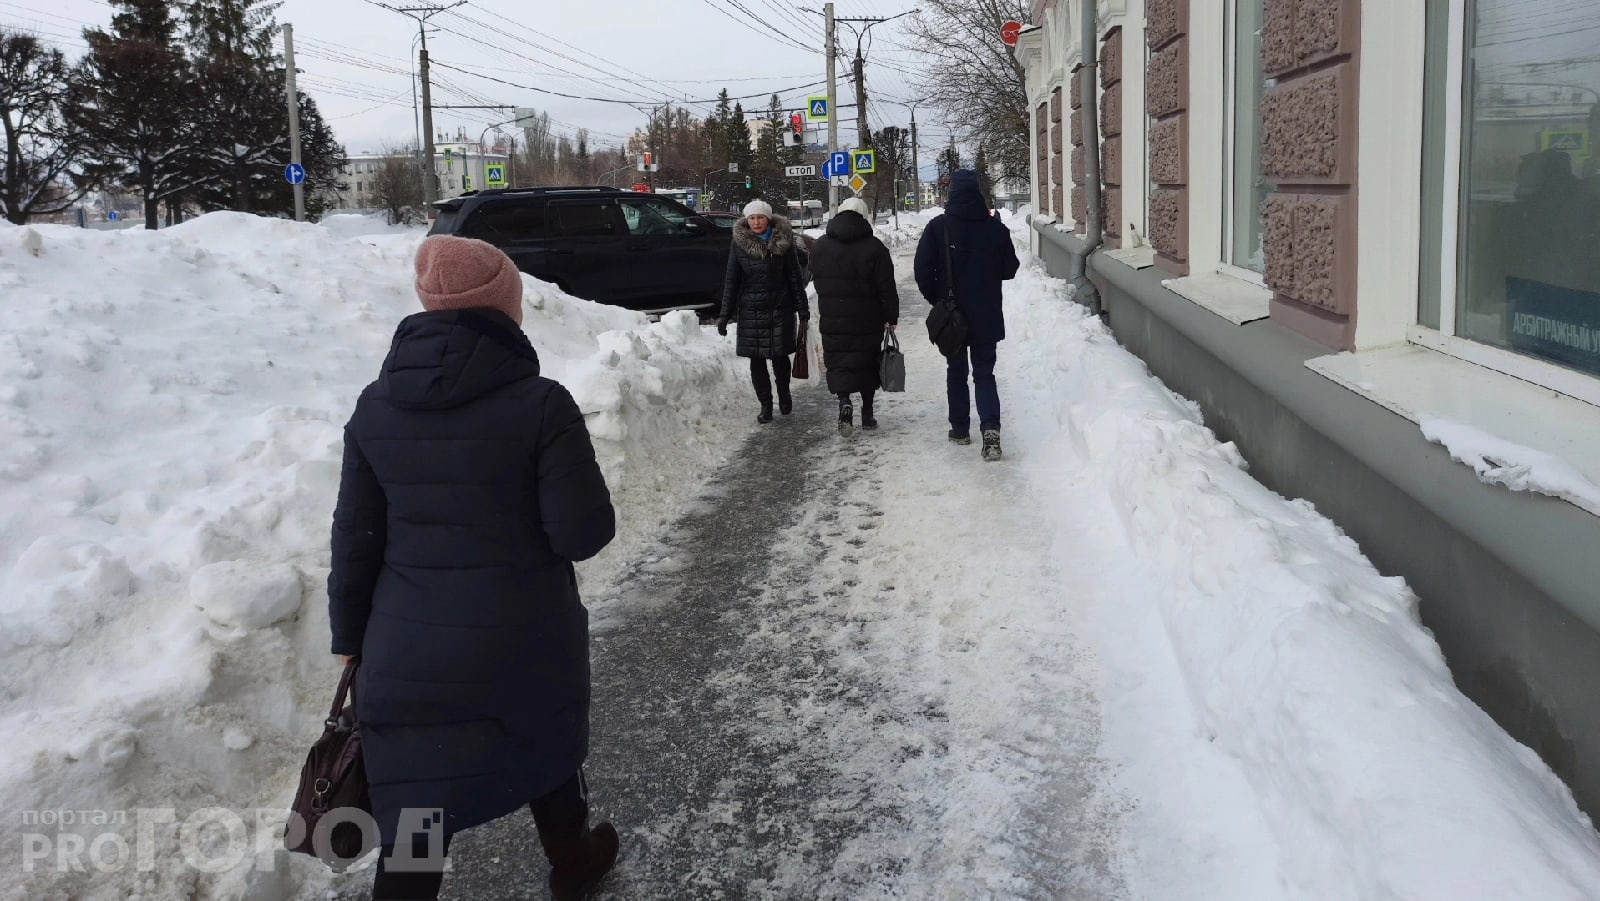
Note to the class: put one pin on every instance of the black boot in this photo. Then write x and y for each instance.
(847, 415)
(991, 444)
(785, 400)
(579, 857)
(868, 421)
(765, 416)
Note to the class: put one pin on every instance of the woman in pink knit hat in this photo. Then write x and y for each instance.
(470, 487)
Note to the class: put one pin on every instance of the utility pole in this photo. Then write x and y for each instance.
(294, 118)
(430, 174)
(833, 104)
(916, 167)
(863, 136)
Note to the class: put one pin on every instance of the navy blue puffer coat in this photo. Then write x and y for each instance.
(469, 488)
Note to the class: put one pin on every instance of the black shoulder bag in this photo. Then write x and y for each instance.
(947, 325)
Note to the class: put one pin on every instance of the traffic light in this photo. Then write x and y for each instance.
(747, 183)
(795, 136)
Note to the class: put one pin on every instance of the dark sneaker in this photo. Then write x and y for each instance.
(959, 437)
(847, 416)
(991, 444)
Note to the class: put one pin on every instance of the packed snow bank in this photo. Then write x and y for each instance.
(1515, 466)
(1289, 727)
(171, 413)
(360, 225)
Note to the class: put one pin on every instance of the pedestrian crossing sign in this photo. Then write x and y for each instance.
(864, 161)
(495, 176)
(817, 109)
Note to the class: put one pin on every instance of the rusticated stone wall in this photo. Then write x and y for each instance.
(1041, 150)
(1167, 102)
(1080, 193)
(1058, 159)
(1308, 121)
(1111, 135)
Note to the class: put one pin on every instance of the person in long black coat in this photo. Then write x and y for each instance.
(856, 303)
(469, 488)
(764, 288)
(982, 255)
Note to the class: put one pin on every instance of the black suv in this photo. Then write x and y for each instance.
(624, 248)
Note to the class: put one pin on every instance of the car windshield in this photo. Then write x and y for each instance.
(445, 224)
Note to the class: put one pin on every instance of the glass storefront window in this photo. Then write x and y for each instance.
(1528, 259)
(1249, 189)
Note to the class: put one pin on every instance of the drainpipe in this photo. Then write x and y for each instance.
(1087, 294)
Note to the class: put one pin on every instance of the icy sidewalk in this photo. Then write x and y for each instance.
(1110, 666)
(1280, 721)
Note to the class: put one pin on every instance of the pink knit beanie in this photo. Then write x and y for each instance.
(463, 273)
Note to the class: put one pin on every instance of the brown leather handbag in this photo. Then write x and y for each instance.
(333, 778)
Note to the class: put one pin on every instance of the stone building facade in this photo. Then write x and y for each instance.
(1349, 229)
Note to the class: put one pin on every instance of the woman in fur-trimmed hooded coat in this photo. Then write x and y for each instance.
(764, 293)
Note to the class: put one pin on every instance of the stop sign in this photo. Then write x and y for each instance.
(1009, 33)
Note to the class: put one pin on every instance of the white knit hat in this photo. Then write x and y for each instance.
(758, 208)
(855, 205)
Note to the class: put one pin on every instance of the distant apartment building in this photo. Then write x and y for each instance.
(462, 166)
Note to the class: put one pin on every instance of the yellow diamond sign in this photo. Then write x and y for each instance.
(857, 183)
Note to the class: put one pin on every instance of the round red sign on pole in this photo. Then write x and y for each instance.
(1009, 33)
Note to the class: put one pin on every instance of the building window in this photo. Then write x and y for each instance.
(1514, 244)
(1247, 188)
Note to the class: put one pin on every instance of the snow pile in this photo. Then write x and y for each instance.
(171, 413)
(1517, 467)
(1288, 726)
(361, 225)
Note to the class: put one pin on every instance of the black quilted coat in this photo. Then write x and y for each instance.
(469, 488)
(856, 297)
(763, 291)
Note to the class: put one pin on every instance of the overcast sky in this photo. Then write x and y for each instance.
(357, 59)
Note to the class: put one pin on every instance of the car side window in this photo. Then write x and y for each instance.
(507, 223)
(652, 217)
(583, 219)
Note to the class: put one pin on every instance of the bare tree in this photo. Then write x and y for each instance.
(397, 185)
(974, 79)
(38, 154)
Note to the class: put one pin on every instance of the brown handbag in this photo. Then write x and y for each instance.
(802, 368)
(334, 777)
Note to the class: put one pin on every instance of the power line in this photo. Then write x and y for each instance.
(512, 84)
(771, 32)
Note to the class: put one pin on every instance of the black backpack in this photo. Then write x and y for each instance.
(947, 325)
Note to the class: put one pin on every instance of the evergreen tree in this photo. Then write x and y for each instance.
(324, 158)
(133, 102)
(980, 165)
(767, 163)
(583, 159)
(242, 123)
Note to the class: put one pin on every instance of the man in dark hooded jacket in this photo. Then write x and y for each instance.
(980, 256)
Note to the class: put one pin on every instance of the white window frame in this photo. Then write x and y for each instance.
(1230, 131)
(1444, 339)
